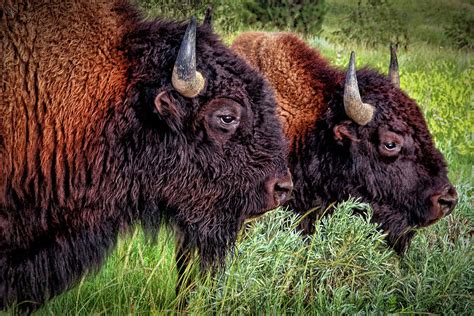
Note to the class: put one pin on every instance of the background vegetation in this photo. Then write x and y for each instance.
(345, 268)
(305, 16)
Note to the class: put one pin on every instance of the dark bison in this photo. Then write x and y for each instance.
(108, 120)
(355, 134)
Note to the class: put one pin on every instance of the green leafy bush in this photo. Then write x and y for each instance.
(373, 23)
(461, 31)
(344, 268)
(173, 9)
(275, 270)
(228, 15)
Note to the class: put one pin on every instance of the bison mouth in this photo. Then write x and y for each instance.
(429, 222)
(256, 215)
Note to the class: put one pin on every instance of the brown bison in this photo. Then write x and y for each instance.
(355, 134)
(106, 121)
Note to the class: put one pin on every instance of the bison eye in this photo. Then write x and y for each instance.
(390, 146)
(228, 119)
(223, 117)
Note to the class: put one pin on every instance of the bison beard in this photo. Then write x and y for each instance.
(336, 153)
(96, 135)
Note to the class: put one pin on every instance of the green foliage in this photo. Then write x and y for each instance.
(373, 23)
(303, 16)
(461, 31)
(138, 278)
(275, 270)
(433, 22)
(173, 9)
(227, 14)
(345, 268)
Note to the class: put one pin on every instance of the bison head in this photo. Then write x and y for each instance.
(375, 144)
(213, 152)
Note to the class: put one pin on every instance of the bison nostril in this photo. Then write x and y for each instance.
(448, 200)
(279, 189)
(445, 206)
(282, 189)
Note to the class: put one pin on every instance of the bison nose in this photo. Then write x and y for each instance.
(448, 200)
(281, 188)
(445, 202)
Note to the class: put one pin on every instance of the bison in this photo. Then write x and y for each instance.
(352, 134)
(108, 120)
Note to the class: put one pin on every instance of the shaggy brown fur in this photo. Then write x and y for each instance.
(94, 138)
(291, 69)
(332, 157)
(57, 84)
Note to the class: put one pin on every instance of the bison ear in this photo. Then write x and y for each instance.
(167, 108)
(208, 17)
(344, 130)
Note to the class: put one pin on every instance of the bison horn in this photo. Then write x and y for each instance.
(393, 70)
(208, 17)
(359, 112)
(185, 79)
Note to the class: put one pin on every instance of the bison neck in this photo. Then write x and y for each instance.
(64, 82)
(305, 84)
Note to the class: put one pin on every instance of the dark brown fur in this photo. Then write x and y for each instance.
(332, 157)
(86, 150)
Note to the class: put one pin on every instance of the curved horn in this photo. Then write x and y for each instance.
(185, 79)
(393, 70)
(359, 112)
(208, 17)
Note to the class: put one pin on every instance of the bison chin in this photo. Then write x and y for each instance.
(395, 224)
(214, 233)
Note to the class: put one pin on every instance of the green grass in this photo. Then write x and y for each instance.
(137, 277)
(345, 268)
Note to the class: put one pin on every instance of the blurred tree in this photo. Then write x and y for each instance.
(304, 16)
(461, 31)
(374, 23)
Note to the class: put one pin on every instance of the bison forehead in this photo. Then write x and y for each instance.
(393, 107)
(153, 49)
